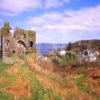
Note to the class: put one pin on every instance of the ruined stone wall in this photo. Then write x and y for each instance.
(28, 37)
(22, 42)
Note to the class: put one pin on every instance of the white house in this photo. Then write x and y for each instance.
(89, 55)
(93, 57)
(62, 52)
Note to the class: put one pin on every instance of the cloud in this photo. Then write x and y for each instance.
(11, 8)
(86, 20)
(52, 3)
(67, 1)
(46, 18)
(55, 3)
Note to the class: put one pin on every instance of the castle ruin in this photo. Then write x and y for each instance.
(20, 42)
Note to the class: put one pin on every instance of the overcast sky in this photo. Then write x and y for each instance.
(55, 21)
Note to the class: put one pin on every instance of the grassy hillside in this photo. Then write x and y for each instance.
(26, 80)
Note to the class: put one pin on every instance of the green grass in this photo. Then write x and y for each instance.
(70, 96)
(5, 84)
(62, 61)
(69, 61)
(4, 96)
(38, 91)
(64, 82)
(80, 84)
(3, 74)
(3, 66)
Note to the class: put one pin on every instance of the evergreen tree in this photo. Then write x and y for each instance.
(69, 46)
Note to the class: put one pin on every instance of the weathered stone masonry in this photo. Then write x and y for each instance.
(21, 42)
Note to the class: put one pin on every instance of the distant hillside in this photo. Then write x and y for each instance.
(44, 48)
(88, 43)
